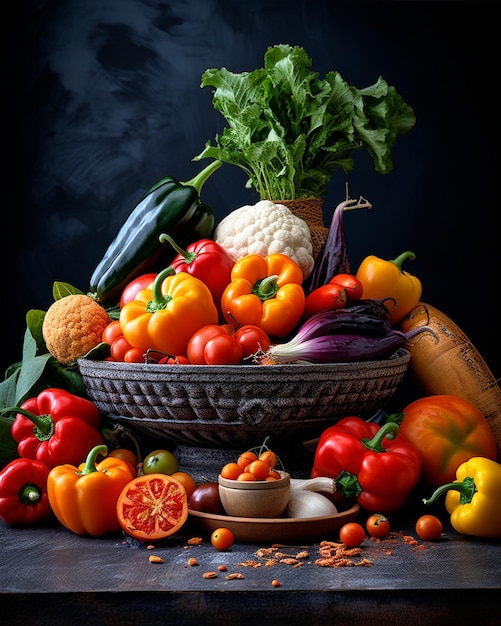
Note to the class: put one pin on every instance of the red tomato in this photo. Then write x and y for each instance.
(325, 298)
(222, 350)
(120, 349)
(152, 507)
(377, 525)
(196, 344)
(174, 360)
(352, 535)
(186, 480)
(134, 355)
(128, 456)
(111, 332)
(130, 292)
(252, 339)
(352, 285)
(206, 498)
(428, 528)
(447, 431)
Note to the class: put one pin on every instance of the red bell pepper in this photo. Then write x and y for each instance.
(23, 493)
(206, 260)
(56, 427)
(370, 464)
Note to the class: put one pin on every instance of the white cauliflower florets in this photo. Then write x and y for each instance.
(266, 228)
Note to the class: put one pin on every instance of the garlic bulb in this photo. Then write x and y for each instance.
(303, 503)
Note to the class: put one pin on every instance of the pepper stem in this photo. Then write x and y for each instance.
(30, 494)
(347, 484)
(44, 424)
(197, 182)
(90, 461)
(390, 430)
(188, 257)
(266, 288)
(159, 300)
(402, 257)
(467, 489)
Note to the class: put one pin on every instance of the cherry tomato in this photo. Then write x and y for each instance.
(125, 454)
(134, 355)
(174, 360)
(111, 332)
(128, 456)
(222, 539)
(377, 525)
(259, 469)
(252, 339)
(196, 344)
(428, 527)
(245, 458)
(270, 457)
(325, 298)
(352, 285)
(206, 498)
(160, 462)
(132, 289)
(120, 348)
(352, 535)
(246, 477)
(231, 470)
(222, 350)
(187, 481)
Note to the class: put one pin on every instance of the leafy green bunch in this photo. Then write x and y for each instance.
(288, 130)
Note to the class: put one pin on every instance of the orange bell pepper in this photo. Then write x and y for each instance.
(165, 317)
(387, 280)
(265, 292)
(84, 499)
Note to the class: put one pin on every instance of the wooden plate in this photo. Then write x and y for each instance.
(275, 530)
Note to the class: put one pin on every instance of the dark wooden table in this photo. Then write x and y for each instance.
(51, 576)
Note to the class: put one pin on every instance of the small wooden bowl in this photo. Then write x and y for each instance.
(259, 498)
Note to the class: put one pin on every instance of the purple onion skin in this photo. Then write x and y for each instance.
(342, 321)
(338, 348)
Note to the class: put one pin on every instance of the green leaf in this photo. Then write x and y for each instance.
(289, 130)
(8, 445)
(31, 373)
(66, 377)
(8, 389)
(34, 342)
(61, 290)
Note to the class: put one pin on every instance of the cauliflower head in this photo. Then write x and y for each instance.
(266, 228)
(72, 326)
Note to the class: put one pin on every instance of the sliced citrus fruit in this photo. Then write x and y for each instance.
(152, 507)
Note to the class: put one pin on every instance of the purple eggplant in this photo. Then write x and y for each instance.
(333, 257)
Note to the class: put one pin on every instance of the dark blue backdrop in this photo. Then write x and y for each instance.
(105, 98)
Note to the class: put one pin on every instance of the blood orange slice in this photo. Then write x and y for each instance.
(152, 507)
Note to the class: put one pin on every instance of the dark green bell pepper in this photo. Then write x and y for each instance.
(168, 206)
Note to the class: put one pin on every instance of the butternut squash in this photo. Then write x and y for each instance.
(452, 365)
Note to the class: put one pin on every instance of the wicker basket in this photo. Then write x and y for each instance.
(230, 406)
(311, 211)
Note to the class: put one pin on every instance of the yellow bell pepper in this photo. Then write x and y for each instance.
(165, 317)
(474, 499)
(387, 280)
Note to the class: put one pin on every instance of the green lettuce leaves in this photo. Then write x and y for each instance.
(288, 130)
